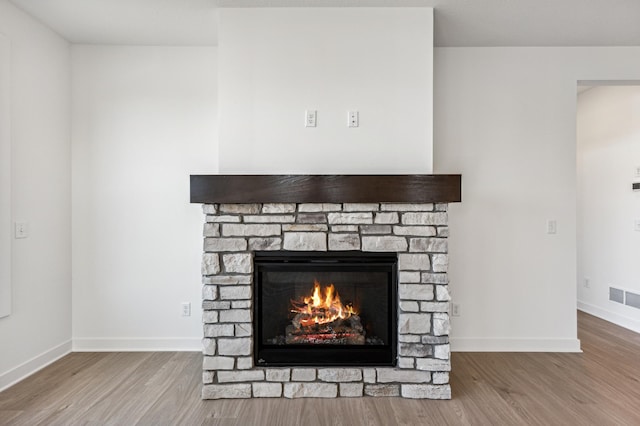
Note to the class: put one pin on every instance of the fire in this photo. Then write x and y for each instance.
(323, 307)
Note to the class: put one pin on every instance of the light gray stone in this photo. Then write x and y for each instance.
(426, 391)
(210, 317)
(217, 363)
(223, 219)
(440, 262)
(278, 374)
(351, 390)
(382, 390)
(224, 244)
(310, 390)
(432, 245)
(344, 242)
(441, 351)
(384, 243)
(311, 218)
(240, 208)
(406, 362)
(209, 209)
(407, 207)
(241, 263)
(409, 338)
(441, 326)
(409, 306)
(442, 293)
(430, 364)
(239, 390)
(418, 231)
(267, 390)
(360, 207)
(414, 349)
(414, 323)
(244, 363)
(350, 218)
(340, 374)
(424, 218)
(275, 208)
(208, 377)
(251, 230)
(240, 304)
(210, 264)
(235, 315)
(261, 244)
(344, 228)
(236, 346)
(413, 262)
(217, 330)
(303, 374)
(443, 231)
(243, 330)
(319, 207)
(375, 229)
(209, 305)
(434, 306)
(440, 207)
(240, 376)
(235, 292)
(440, 378)
(431, 278)
(289, 218)
(305, 241)
(211, 230)
(209, 346)
(369, 375)
(305, 227)
(209, 292)
(394, 375)
(407, 277)
(415, 291)
(434, 340)
(228, 279)
(386, 218)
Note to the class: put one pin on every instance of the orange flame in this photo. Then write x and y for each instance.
(322, 307)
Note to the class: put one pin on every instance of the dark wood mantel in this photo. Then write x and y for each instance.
(206, 189)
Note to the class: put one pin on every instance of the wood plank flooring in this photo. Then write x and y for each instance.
(598, 387)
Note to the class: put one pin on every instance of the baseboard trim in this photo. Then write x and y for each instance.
(34, 365)
(177, 344)
(514, 345)
(615, 318)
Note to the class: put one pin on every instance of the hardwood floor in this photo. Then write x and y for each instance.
(599, 387)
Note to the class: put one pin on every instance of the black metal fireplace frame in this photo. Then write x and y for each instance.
(325, 355)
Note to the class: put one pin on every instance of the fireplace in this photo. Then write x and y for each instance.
(333, 308)
(325, 286)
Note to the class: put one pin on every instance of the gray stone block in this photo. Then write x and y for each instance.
(241, 263)
(413, 262)
(441, 325)
(319, 207)
(418, 231)
(407, 277)
(394, 375)
(414, 349)
(384, 243)
(240, 390)
(305, 241)
(369, 375)
(243, 330)
(209, 209)
(311, 218)
(208, 377)
(409, 306)
(240, 376)
(407, 207)
(262, 244)
(235, 292)
(210, 317)
(406, 362)
(431, 278)
(244, 363)
(278, 374)
(275, 208)
(305, 227)
(360, 207)
(240, 304)
(426, 391)
(217, 363)
(430, 364)
(236, 315)
(415, 291)
(344, 242)
(441, 351)
(251, 230)
(440, 207)
(439, 262)
(414, 323)
(289, 218)
(303, 374)
(442, 293)
(434, 306)
(217, 330)
(209, 304)
(351, 390)
(267, 390)
(382, 390)
(209, 292)
(350, 218)
(440, 378)
(345, 228)
(209, 346)
(235, 346)
(376, 229)
(224, 244)
(223, 219)
(443, 231)
(434, 340)
(431, 245)
(409, 338)
(310, 390)
(211, 230)
(240, 208)
(439, 218)
(340, 375)
(228, 279)
(386, 218)
(210, 264)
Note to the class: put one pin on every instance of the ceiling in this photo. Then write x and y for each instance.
(457, 22)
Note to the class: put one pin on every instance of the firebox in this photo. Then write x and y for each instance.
(325, 308)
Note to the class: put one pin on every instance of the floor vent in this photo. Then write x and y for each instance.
(616, 295)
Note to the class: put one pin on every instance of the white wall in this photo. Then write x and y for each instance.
(275, 63)
(505, 118)
(5, 177)
(39, 328)
(608, 155)
(144, 119)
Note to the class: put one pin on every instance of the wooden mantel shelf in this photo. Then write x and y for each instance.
(240, 189)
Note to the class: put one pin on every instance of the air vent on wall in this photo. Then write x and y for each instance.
(625, 297)
(616, 295)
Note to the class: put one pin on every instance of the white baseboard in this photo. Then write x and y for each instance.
(178, 344)
(33, 365)
(617, 319)
(514, 345)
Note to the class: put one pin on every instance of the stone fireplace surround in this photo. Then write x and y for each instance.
(417, 232)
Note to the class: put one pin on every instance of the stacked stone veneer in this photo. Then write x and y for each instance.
(417, 232)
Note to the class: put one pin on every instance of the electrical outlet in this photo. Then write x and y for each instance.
(353, 119)
(455, 309)
(310, 117)
(21, 230)
(587, 283)
(552, 226)
(186, 309)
